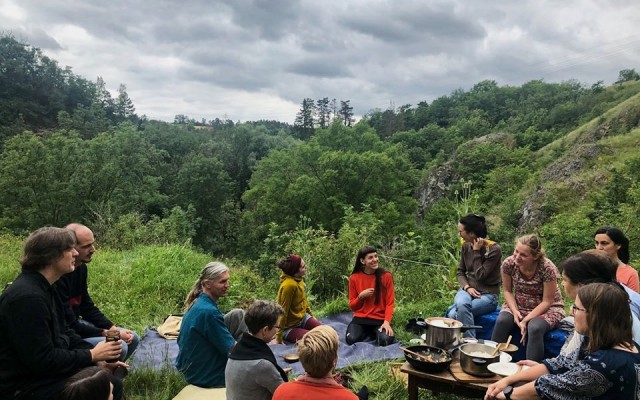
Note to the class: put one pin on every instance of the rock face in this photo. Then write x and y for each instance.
(437, 183)
(435, 186)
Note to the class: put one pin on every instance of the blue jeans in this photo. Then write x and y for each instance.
(466, 307)
(127, 349)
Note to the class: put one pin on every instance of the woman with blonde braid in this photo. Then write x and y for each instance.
(206, 335)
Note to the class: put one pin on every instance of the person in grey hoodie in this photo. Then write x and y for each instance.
(252, 372)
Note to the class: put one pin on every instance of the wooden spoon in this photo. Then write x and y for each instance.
(503, 345)
(420, 356)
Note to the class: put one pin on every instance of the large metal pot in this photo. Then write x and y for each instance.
(476, 357)
(444, 333)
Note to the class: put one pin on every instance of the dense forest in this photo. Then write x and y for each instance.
(559, 159)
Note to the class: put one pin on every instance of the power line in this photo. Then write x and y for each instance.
(414, 262)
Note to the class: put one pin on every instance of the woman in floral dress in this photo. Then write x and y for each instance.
(533, 301)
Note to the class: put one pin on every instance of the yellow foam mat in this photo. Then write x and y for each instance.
(191, 392)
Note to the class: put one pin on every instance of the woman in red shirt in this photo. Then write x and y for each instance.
(371, 297)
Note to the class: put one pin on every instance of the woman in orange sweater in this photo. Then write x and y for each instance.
(297, 318)
(371, 297)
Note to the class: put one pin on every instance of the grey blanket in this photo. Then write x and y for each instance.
(156, 352)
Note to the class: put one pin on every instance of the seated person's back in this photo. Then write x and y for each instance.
(318, 351)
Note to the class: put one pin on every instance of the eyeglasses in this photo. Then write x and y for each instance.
(576, 308)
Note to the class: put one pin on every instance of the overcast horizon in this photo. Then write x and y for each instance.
(250, 60)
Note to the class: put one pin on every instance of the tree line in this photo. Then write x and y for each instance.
(239, 188)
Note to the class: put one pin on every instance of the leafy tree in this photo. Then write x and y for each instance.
(474, 160)
(628, 75)
(34, 89)
(240, 148)
(122, 174)
(203, 184)
(338, 168)
(388, 122)
(87, 121)
(38, 175)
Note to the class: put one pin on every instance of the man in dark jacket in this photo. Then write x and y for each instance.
(37, 349)
(81, 312)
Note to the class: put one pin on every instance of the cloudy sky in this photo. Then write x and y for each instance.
(257, 59)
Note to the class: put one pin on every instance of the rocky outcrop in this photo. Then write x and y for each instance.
(435, 186)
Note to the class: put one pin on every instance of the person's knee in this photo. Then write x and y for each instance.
(354, 334)
(504, 320)
(537, 328)
(462, 302)
(384, 340)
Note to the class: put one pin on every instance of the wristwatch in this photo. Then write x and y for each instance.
(507, 392)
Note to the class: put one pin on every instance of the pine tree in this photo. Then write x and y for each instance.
(124, 108)
(346, 113)
(303, 127)
(323, 113)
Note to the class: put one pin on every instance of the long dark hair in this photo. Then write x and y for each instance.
(359, 266)
(618, 237)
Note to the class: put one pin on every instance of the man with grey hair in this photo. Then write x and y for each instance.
(80, 311)
(206, 335)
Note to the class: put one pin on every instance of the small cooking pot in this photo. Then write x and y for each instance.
(437, 360)
(476, 357)
(291, 358)
(444, 333)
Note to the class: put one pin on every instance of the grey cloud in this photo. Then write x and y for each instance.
(319, 68)
(372, 53)
(391, 24)
(36, 37)
(272, 19)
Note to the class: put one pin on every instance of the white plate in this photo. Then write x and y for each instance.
(505, 368)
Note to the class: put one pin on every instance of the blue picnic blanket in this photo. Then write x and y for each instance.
(156, 352)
